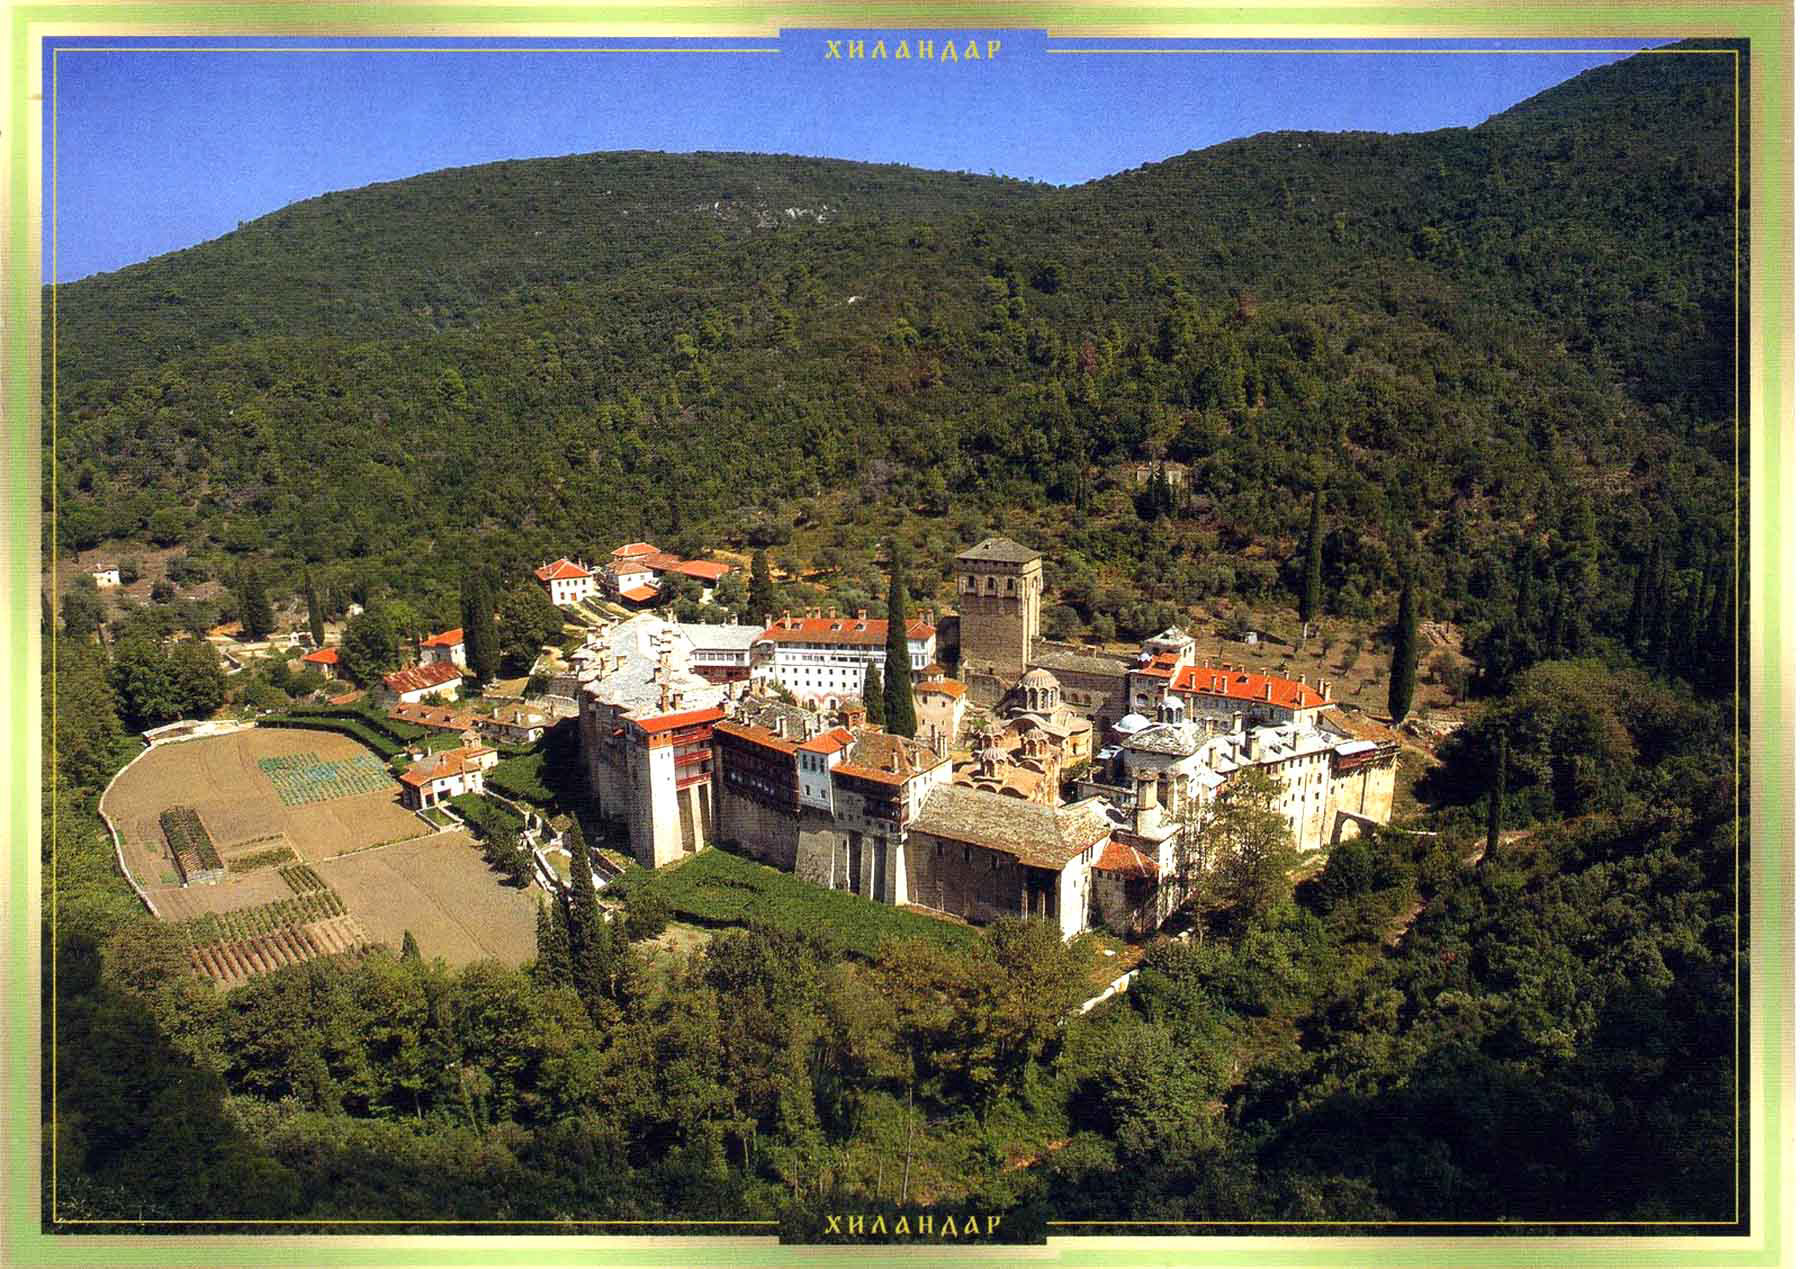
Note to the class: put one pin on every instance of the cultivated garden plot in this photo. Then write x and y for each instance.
(301, 778)
(220, 777)
(441, 889)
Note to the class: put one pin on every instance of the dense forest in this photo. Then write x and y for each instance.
(1502, 355)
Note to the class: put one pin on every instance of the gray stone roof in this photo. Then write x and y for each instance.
(795, 722)
(998, 551)
(1034, 834)
(721, 637)
(1063, 656)
(1176, 739)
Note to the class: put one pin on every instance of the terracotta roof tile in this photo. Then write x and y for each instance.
(560, 571)
(1126, 860)
(669, 722)
(437, 674)
(1239, 686)
(448, 639)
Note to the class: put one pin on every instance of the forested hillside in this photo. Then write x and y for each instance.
(1503, 355)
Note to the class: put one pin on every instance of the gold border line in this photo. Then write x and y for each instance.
(1521, 1225)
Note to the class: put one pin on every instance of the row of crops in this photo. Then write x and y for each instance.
(229, 963)
(300, 778)
(246, 923)
(190, 845)
(718, 888)
(303, 880)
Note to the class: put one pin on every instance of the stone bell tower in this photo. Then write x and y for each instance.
(999, 588)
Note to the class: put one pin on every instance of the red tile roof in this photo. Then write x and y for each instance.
(839, 630)
(832, 741)
(661, 561)
(449, 639)
(705, 570)
(423, 715)
(560, 571)
(631, 549)
(1120, 858)
(346, 698)
(639, 594)
(324, 656)
(942, 687)
(444, 764)
(669, 722)
(1246, 687)
(437, 674)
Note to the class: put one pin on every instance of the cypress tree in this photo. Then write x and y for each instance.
(1496, 795)
(1525, 611)
(553, 968)
(762, 589)
(1406, 655)
(901, 721)
(480, 639)
(1661, 621)
(1315, 564)
(257, 616)
(1637, 620)
(875, 697)
(409, 947)
(590, 944)
(315, 612)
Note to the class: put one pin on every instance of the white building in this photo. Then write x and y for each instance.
(446, 774)
(446, 648)
(107, 578)
(567, 581)
(439, 681)
(822, 658)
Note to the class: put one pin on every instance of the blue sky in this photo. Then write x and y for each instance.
(160, 144)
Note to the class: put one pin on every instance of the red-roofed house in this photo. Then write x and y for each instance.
(821, 657)
(567, 581)
(446, 774)
(324, 660)
(436, 681)
(635, 573)
(1261, 698)
(446, 647)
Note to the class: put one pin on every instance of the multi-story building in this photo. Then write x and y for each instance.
(566, 581)
(635, 572)
(722, 653)
(438, 681)
(999, 590)
(821, 657)
(829, 804)
(981, 856)
(646, 721)
(437, 777)
(446, 647)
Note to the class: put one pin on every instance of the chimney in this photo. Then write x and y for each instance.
(862, 614)
(1325, 689)
(1144, 813)
(1268, 690)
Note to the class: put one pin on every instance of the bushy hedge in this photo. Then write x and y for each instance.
(486, 815)
(718, 888)
(523, 778)
(352, 726)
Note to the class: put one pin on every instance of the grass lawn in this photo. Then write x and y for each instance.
(717, 888)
